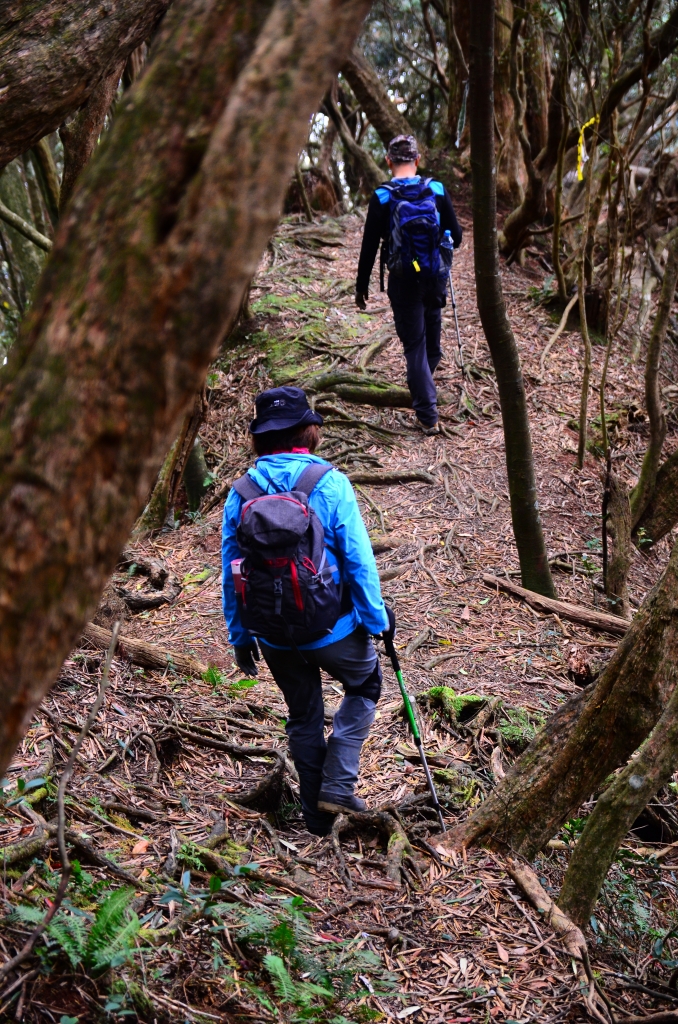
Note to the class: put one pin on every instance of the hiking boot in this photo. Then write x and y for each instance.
(431, 431)
(340, 804)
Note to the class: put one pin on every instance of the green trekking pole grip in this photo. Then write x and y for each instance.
(414, 728)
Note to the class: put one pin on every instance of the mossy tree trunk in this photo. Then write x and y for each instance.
(589, 737)
(617, 809)
(527, 527)
(166, 226)
(53, 55)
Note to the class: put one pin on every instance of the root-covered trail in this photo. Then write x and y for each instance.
(170, 781)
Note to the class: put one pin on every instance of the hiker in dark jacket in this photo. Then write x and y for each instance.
(415, 302)
(285, 434)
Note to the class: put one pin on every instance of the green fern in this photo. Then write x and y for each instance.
(111, 937)
(67, 931)
(109, 941)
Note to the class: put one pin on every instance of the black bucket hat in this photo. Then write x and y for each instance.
(282, 409)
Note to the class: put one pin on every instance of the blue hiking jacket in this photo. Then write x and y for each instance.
(346, 540)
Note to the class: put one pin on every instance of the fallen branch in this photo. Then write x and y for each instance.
(141, 653)
(664, 1017)
(405, 476)
(602, 621)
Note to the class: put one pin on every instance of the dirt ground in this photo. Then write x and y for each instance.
(451, 938)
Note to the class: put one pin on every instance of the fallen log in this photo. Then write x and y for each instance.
(147, 655)
(405, 476)
(602, 621)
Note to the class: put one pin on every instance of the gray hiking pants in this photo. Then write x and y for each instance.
(330, 765)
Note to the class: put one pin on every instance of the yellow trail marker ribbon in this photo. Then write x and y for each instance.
(580, 146)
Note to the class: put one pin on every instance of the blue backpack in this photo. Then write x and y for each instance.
(414, 241)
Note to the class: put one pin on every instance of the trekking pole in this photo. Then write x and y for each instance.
(456, 324)
(391, 652)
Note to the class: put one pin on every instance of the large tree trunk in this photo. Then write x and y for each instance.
(381, 112)
(165, 229)
(54, 53)
(589, 737)
(527, 528)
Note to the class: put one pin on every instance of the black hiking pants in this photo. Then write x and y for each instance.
(417, 316)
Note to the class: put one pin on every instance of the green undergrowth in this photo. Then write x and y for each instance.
(516, 727)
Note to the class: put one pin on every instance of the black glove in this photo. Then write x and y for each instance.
(389, 633)
(245, 656)
(361, 299)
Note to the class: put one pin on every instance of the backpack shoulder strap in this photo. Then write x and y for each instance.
(247, 488)
(311, 476)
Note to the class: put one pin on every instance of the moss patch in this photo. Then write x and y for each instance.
(518, 727)
(445, 703)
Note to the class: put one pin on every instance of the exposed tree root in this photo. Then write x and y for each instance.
(398, 843)
(387, 479)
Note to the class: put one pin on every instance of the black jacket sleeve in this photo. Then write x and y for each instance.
(448, 218)
(376, 228)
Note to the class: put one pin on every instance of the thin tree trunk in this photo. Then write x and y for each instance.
(527, 527)
(381, 112)
(53, 56)
(587, 738)
(27, 256)
(558, 211)
(642, 492)
(583, 324)
(617, 809)
(45, 168)
(135, 301)
(164, 495)
(81, 135)
(371, 174)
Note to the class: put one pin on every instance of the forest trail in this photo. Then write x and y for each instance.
(455, 941)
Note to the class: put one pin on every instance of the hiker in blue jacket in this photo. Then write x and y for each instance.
(285, 434)
(416, 298)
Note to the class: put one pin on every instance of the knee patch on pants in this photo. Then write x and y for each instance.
(370, 688)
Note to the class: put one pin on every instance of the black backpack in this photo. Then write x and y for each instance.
(287, 594)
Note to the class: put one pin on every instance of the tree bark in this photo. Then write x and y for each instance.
(640, 496)
(661, 512)
(619, 515)
(167, 485)
(617, 809)
(81, 135)
(54, 53)
(135, 301)
(45, 168)
(527, 527)
(589, 737)
(381, 112)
